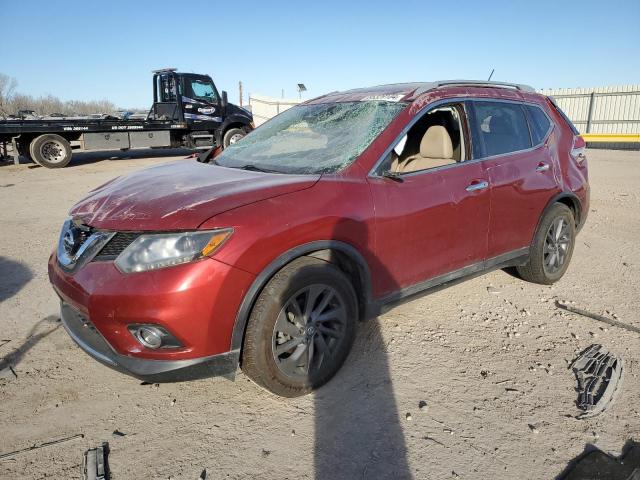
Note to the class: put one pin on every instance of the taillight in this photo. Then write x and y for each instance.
(578, 149)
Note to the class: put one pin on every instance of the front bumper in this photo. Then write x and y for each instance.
(89, 339)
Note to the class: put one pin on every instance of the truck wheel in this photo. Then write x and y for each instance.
(301, 328)
(51, 151)
(232, 136)
(552, 247)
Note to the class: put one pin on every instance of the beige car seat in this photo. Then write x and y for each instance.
(436, 149)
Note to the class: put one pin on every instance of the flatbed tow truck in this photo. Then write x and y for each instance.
(187, 112)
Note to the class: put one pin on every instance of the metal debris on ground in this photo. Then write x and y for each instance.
(595, 316)
(95, 465)
(45, 444)
(598, 373)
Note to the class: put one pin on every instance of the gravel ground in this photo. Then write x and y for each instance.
(487, 358)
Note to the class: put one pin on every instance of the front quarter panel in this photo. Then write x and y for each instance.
(336, 208)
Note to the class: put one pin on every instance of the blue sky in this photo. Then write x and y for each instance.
(107, 49)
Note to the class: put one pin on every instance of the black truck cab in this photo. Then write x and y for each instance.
(193, 98)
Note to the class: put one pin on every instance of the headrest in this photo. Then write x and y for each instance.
(436, 143)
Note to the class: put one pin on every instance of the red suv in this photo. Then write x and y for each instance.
(268, 255)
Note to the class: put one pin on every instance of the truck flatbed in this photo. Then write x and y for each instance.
(12, 128)
(187, 112)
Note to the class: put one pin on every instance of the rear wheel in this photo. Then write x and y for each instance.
(301, 328)
(232, 136)
(51, 151)
(552, 247)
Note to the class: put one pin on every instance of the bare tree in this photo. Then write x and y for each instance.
(12, 102)
(7, 89)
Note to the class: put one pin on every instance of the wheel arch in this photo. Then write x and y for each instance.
(233, 121)
(344, 256)
(566, 198)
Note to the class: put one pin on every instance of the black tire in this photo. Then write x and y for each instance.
(51, 151)
(282, 373)
(543, 267)
(232, 136)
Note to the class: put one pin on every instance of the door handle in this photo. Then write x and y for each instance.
(542, 167)
(477, 185)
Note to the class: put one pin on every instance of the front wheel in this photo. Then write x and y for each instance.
(232, 136)
(301, 328)
(552, 247)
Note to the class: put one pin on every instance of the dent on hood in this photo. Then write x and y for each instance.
(179, 195)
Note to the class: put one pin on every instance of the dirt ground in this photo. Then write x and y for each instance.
(490, 363)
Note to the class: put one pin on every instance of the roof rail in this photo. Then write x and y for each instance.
(163, 70)
(473, 83)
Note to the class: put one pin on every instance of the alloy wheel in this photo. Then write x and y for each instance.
(309, 331)
(556, 245)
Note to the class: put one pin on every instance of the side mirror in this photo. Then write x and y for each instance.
(224, 101)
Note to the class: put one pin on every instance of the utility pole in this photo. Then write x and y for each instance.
(240, 91)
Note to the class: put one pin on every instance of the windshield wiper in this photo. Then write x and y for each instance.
(254, 168)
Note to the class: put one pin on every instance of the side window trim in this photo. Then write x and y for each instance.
(479, 151)
(530, 121)
(376, 172)
(526, 116)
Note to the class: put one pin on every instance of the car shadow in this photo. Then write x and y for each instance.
(358, 432)
(33, 337)
(14, 275)
(594, 464)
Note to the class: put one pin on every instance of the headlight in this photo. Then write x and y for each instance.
(159, 250)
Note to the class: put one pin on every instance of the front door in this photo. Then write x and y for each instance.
(200, 102)
(431, 221)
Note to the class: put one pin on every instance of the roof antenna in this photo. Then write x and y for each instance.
(492, 70)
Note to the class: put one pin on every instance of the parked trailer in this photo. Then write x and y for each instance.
(188, 112)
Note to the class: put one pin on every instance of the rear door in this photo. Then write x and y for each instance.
(521, 166)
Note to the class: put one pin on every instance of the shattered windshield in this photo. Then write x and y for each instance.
(318, 138)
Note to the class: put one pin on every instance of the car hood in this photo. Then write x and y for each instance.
(180, 195)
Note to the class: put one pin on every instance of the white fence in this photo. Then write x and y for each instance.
(263, 108)
(601, 110)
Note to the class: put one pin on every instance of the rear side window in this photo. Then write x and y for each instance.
(539, 123)
(564, 116)
(501, 127)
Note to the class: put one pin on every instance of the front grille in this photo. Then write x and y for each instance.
(116, 245)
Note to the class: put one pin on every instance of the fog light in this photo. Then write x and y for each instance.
(150, 337)
(153, 336)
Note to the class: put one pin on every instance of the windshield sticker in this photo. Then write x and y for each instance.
(385, 97)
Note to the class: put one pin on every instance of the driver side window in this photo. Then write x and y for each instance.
(435, 140)
(202, 90)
